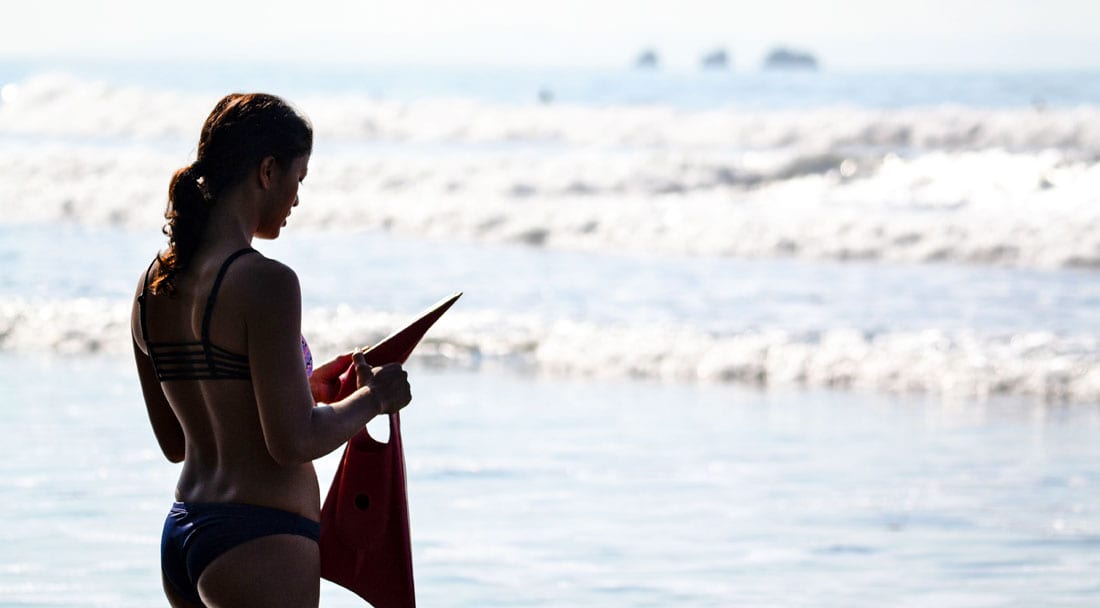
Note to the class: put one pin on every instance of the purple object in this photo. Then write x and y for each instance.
(307, 357)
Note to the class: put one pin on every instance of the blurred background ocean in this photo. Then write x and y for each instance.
(730, 336)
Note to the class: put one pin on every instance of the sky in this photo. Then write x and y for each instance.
(844, 34)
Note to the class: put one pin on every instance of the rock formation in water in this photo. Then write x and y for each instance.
(647, 59)
(788, 59)
(717, 59)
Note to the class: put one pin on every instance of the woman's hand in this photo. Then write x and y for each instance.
(389, 384)
(325, 381)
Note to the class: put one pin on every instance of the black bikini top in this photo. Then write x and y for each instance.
(202, 360)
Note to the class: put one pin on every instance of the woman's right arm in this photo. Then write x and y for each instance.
(295, 431)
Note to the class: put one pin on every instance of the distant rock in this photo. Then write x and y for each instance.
(647, 59)
(790, 59)
(715, 60)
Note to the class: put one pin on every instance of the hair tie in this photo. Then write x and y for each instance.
(193, 172)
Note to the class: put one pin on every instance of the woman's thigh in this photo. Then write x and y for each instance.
(281, 570)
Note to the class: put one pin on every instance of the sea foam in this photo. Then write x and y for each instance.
(990, 206)
(960, 363)
(60, 105)
(939, 184)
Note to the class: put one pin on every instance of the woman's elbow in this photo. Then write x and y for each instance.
(173, 445)
(288, 453)
(173, 454)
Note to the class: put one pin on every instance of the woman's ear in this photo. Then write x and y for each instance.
(268, 167)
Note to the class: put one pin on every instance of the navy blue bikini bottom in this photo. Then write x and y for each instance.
(195, 534)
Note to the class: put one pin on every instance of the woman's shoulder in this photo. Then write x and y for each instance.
(265, 279)
(266, 293)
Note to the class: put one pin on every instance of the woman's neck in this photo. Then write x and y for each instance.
(232, 222)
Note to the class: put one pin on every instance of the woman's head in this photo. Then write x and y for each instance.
(243, 133)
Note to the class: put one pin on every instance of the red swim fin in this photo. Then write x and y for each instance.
(365, 539)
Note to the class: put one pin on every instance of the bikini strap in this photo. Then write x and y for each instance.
(141, 302)
(214, 292)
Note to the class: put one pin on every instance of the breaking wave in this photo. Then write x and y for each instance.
(1014, 187)
(960, 363)
(60, 105)
(984, 207)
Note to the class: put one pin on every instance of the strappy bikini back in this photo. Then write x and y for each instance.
(202, 360)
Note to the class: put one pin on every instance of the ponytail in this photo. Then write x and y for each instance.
(188, 210)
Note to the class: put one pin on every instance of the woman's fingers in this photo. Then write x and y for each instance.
(363, 370)
(388, 370)
(334, 368)
(391, 384)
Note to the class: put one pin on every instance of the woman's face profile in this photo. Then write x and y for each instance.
(283, 196)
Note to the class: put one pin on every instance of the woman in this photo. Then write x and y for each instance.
(220, 358)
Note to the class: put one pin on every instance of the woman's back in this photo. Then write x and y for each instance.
(198, 342)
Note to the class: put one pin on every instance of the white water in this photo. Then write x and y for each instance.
(966, 333)
(58, 105)
(955, 363)
(1018, 187)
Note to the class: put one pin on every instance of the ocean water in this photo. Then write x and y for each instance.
(727, 339)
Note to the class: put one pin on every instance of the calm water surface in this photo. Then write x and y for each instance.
(545, 491)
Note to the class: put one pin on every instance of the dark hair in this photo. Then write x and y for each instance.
(241, 131)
